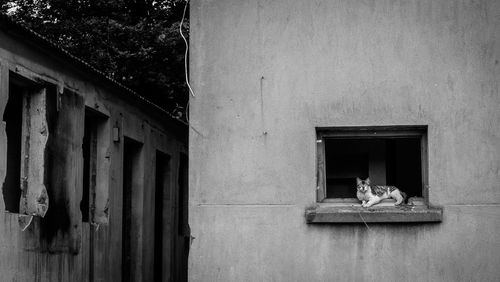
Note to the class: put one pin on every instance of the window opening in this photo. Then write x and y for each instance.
(184, 234)
(393, 162)
(13, 118)
(183, 196)
(25, 118)
(161, 191)
(87, 168)
(388, 155)
(131, 171)
(93, 124)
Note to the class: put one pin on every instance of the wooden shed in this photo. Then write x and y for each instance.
(93, 175)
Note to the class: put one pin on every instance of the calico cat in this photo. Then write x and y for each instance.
(371, 195)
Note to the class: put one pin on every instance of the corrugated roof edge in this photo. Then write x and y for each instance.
(7, 22)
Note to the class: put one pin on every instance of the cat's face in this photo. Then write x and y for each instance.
(363, 185)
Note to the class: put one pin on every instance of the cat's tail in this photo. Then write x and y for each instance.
(404, 197)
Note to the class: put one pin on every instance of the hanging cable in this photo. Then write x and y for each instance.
(187, 50)
(191, 92)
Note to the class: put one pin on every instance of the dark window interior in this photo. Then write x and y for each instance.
(183, 196)
(183, 240)
(161, 190)
(131, 156)
(387, 161)
(13, 118)
(93, 121)
(86, 145)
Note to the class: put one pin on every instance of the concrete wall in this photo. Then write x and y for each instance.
(97, 253)
(266, 73)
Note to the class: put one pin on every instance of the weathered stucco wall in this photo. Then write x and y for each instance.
(266, 73)
(99, 258)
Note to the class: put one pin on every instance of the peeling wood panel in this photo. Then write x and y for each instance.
(61, 228)
(103, 178)
(57, 247)
(34, 197)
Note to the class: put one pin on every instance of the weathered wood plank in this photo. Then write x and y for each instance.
(85, 257)
(4, 96)
(321, 170)
(103, 137)
(113, 232)
(148, 212)
(35, 135)
(61, 228)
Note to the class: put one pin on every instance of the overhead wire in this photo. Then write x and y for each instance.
(187, 50)
(186, 53)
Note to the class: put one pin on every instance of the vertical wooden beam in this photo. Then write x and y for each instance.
(4, 86)
(424, 162)
(174, 214)
(100, 213)
(321, 170)
(113, 232)
(166, 229)
(62, 227)
(181, 230)
(148, 211)
(4, 96)
(35, 134)
(138, 215)
(84, 257)
(104, 181)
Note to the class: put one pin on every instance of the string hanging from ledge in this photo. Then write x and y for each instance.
(364, 221)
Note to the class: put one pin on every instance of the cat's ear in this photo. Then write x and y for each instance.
(367, 181)
(358, 181)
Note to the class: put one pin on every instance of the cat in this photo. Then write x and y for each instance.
(371, 195)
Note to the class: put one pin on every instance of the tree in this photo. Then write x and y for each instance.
(135, 42)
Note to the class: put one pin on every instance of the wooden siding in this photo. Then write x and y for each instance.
(50, 250)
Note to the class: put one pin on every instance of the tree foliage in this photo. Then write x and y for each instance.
(135, 42)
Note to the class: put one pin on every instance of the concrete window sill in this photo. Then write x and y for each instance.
(342, 213)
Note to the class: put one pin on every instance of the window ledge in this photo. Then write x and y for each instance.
(324, 213)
